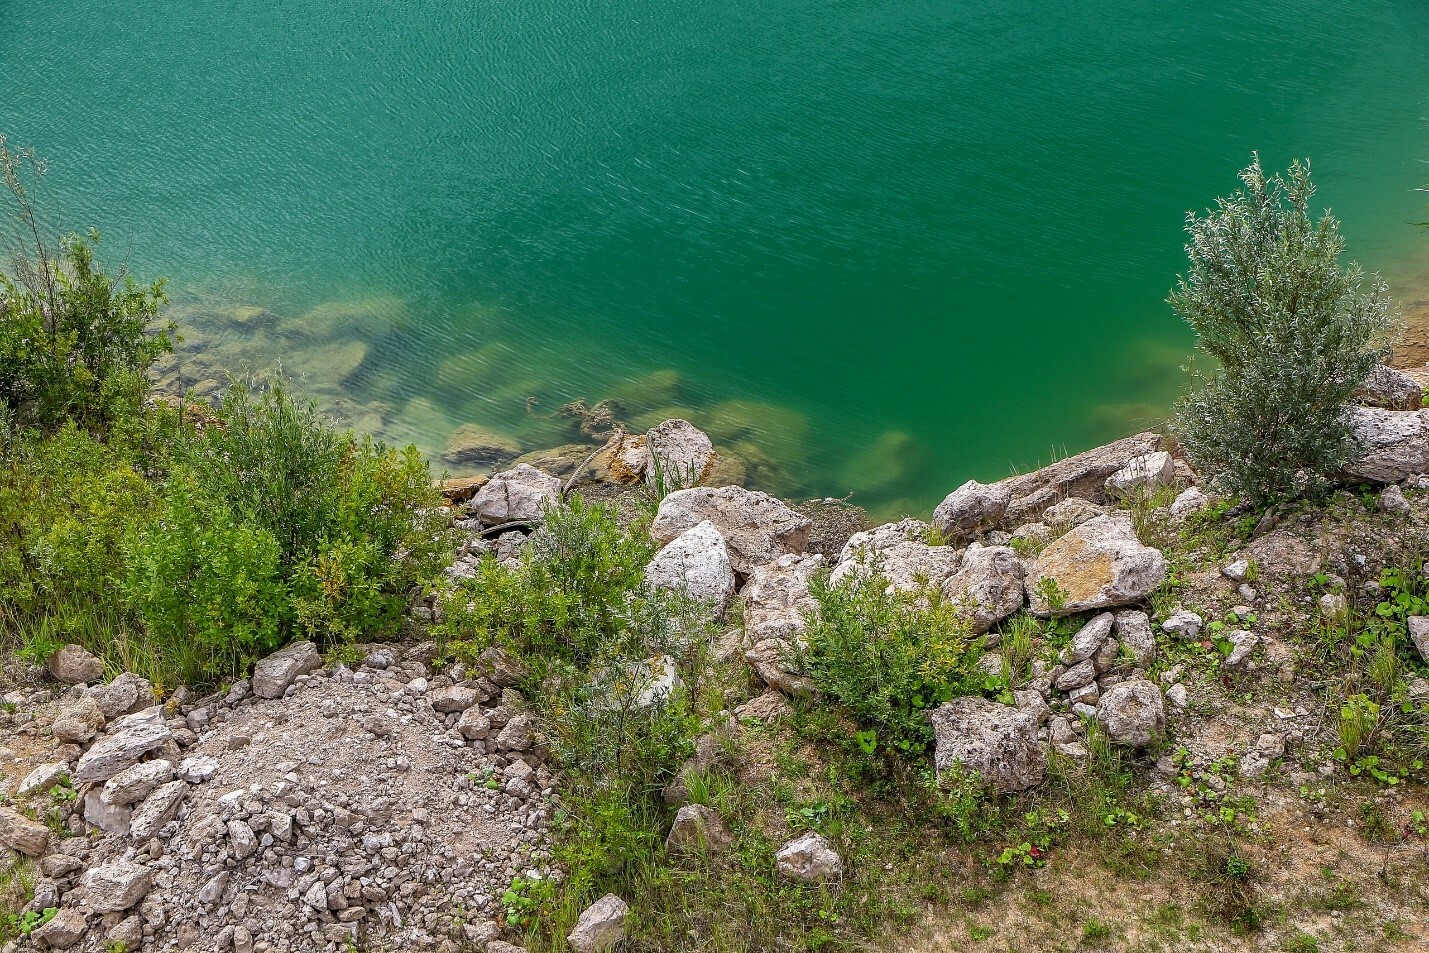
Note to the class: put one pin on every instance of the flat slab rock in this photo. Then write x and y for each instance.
(126, 741)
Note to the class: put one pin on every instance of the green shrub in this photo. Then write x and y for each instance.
(75, 341)
(1293, 330)
(888, 657)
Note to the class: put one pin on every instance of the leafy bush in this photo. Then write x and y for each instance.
(888, 657)
(1293, 330)
(75, 341)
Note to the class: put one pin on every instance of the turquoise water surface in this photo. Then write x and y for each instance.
(877, 246)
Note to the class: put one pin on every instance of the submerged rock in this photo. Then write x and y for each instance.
(473, 445)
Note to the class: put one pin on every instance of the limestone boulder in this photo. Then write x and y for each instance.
(64, 931)
(21, 834)
(1393, 444)
(678, 455)
(906, 566)
(127, 741)
(273, 675)
(777, 605)
(78, 721)
(696, 563)
(161, 806)
(74, 665)
(988, 586)
(697, 827)
(1083, 475)
(1133, 712)
(127, 693)
(1133, 630)
(871, 541)
(521, 494)
(757, 528)
(601, 926)
(809, 858)
(972, 509)
(1142, 475)
(1098, 565)
(117, 886)
(133, 784)
(998, 742)
(1419, 634)
(1391, 389)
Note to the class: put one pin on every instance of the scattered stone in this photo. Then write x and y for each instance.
(1184, 625)
(1083, 673)
(1142, 475)
(757, 528)
(1389, 388)
(768, 707)
(197, 769)
(601, 926)
(135, 783)
(74, 665)
(156, 810)
(1178, 696)
(453, 698)
(809, 858)
(1098, 565)
(1133, 713)
(1133, 630)
(21, 834)
(43, 777)
(1334, 607)
(128, 692)
(698, 827)
(521, 494)
(1244, 643)
(78, 721)
(63, 931)
(1419, 634)
(1189, 501)
(870, 541)
(1391, 500)
(971, 510)
(1073, 511)
(1088, 639)
(697, 563)
(273, 675)
(117, 886)
(100, 814)
(997, 741)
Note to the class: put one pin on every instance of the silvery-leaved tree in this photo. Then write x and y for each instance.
(1293, 330)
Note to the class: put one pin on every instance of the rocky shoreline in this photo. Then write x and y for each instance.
(390, 801)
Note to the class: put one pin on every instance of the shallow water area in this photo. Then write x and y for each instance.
(873, 248)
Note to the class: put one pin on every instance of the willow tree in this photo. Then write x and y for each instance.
(1292, 330)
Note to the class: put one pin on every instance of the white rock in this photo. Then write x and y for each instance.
(908, 566)
(156, 810)
(1133, 629)
(809, 858)
(882, 537)
(1391, 500)
(697, 563)
(1178, 696)
(521, 494)
(198, 769)
(1133, 713)
(1419, 634)
(997, 741)
(971, 509)
(1183, 625)
(1237, 571)
(21, 834)
(601, 926)
(757, 529)
(1098, 565)
(128, 739)
(988, 587)
(678, 453)
(74, 665)
(1142, 475)
(656, 681)
(1190, 500)
(1088, 639)
(698, 827)
(273, 675)
(134, 783)
(1390, 388)
(43, 777)
(1244, 643)
(1394, 444)
(109, 818)
(117, 886)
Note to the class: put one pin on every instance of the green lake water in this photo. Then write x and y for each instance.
(877, 246)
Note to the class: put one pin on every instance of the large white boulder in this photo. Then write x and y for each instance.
(907, 566)
(1142, 475)
(756, 527)
(870, 541)
(1098, 565)
(678, 455)
(521, 494)
(1393, 444)
(696, 563)
(809, 858)
(971, 509)
(988, 586)
(999, 742)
